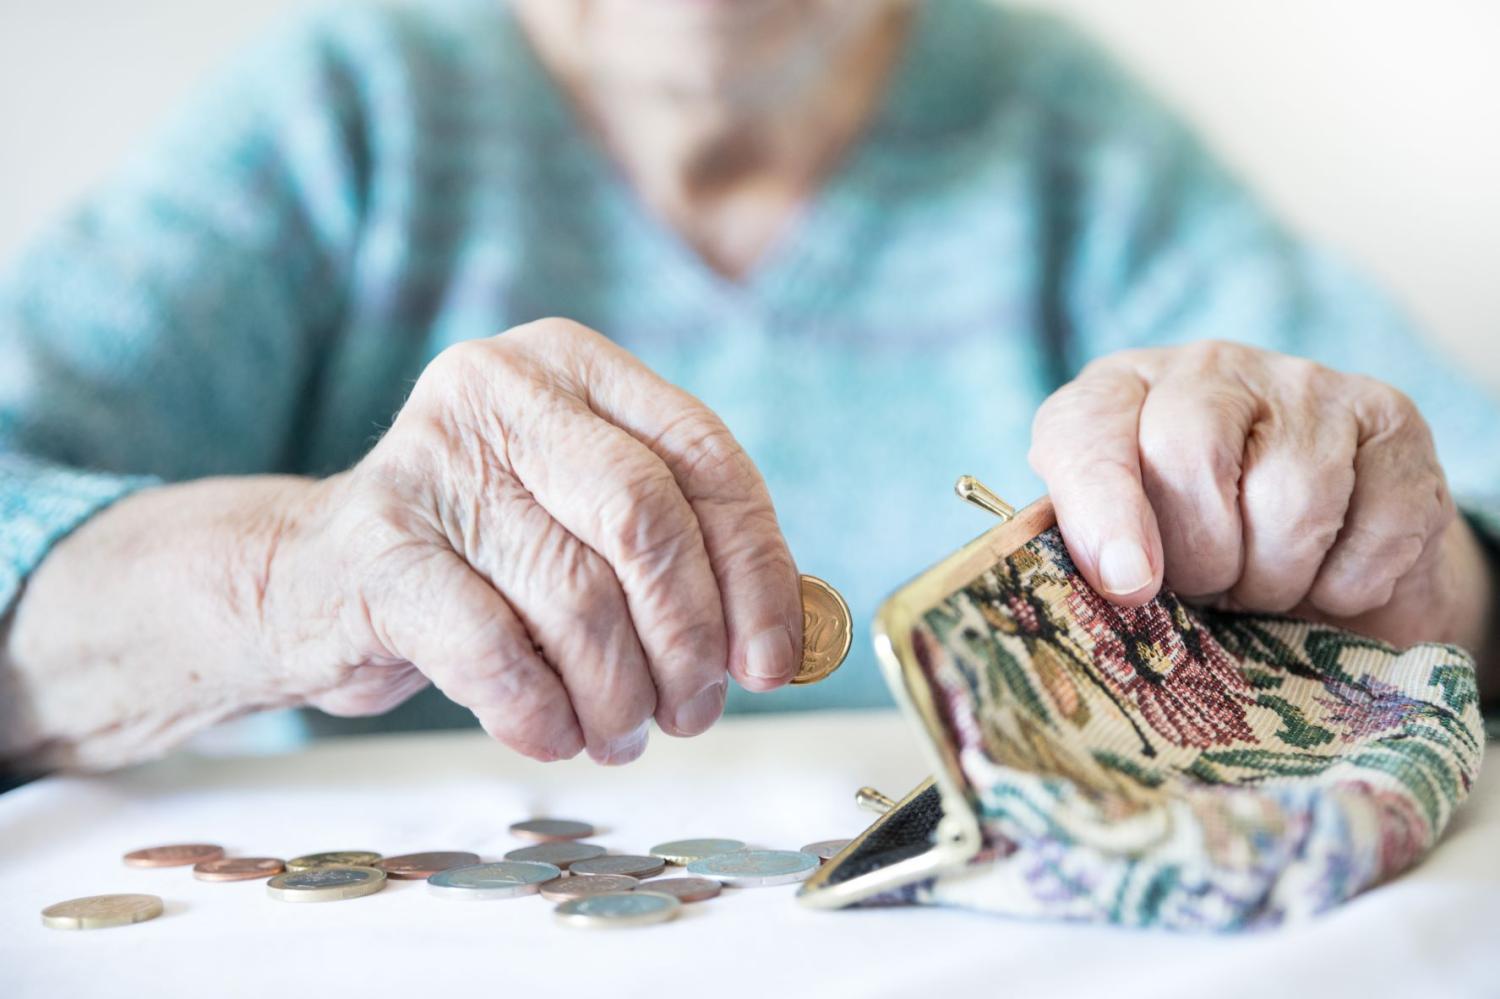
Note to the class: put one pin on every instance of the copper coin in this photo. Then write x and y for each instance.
(827, 631)
(237, 868)
(826, 849)
(414, 866)
(563, 854)
(178, 855)
(562, 889)
(630, 866)
(685, 889)
(551, 830)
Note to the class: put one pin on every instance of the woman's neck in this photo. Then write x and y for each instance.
(723, 153)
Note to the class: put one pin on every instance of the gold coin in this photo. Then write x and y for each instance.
(334, 858)
(96, 912)
(827, 630)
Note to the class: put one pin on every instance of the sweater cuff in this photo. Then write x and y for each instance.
(42, 503)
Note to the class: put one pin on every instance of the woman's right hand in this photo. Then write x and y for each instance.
(558, 539)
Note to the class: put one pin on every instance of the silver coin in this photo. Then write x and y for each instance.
(685, 851)
(630, 866)
(325, 884)
(826, 849)
(550, 830)
(684, 889)
(620, 909)
(478, 882)
(564, 853)
(757, 868)
(565, 889)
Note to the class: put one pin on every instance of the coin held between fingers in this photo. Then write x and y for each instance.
(827, 631)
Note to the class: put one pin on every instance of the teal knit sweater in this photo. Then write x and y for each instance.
(257, 291)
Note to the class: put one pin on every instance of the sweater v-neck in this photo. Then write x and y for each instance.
(808, 262)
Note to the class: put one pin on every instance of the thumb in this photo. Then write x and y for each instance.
(1084, 446)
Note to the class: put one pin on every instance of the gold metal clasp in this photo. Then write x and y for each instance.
(976, 492)
(872, 800)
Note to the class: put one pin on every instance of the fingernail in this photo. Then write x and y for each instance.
(1123, 567)
(626, 748)
(769, 655)
(701, 711)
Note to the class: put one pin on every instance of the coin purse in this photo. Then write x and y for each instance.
(1163, 766)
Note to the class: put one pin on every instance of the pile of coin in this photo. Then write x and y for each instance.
(593, 888)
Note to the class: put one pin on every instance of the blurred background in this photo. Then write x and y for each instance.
(1370, 124)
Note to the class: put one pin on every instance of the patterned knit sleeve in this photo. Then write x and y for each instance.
(170, 327)
(1165, 246)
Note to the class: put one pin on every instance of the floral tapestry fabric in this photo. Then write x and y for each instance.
(1173, 766)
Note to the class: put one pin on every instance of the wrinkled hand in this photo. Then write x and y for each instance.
(1257, 481)
(558, 539)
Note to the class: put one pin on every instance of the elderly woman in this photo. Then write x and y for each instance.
(820, 253)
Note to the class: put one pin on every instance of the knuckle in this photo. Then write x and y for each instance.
(488, 678)
(1064, 413)
(1300, 501)
(1400, 407)
(761, 562)
(647, 522)
(1210, 354)
(712, 455)
(1128, 360)
(1383, 551)
(1303, 378)
(548, 331)
(554, 354)
(1389, 412)
(461, 360)
(693, 644)
(1315, 523)
(548, 555)
(1205, 354)
(1182, 453)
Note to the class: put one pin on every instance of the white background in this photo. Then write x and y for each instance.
(1373, 124)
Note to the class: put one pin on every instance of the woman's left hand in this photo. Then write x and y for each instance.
(1258, 481)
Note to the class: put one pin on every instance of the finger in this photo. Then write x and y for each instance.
(1399, 508)
(752, 565)
(632, 512)
(1084, 446)
(610, 493)
(573, 606)
(755, 576)
(1296, 486)
(1192, 438)
(453, 626)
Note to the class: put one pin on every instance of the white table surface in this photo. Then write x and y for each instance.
(778, 781)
